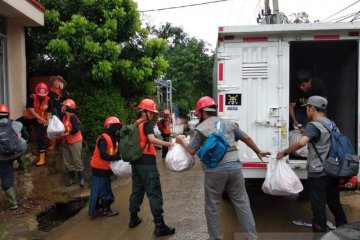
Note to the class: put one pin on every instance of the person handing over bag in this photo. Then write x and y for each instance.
(106, 151)
(223, 173)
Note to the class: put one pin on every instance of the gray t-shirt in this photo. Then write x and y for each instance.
(312, 132)
(198, 140)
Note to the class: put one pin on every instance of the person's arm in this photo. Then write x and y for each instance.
(195, 144)
(292, 114)
(296, 146)
(152, 139)
(251, 144)
(75, 125)
(103, 152)
(37, 116)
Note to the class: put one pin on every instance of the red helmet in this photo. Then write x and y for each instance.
(204, 102)
(4, 109)
(42, 89)
(148, 104)
(70, 103)
(112, 120)
(166, 112)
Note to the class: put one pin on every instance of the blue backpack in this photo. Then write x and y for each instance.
(214, 148)
(342, 160)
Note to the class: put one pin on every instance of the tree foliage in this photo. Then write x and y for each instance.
(96, 41)
(190, 66)
(299, 17)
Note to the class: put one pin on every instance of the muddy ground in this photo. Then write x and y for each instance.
(183, 204)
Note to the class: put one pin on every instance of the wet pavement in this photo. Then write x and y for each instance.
(184, 210)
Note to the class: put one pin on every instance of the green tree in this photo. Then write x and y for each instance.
(190, 66)
(97, 45)
(95, 40)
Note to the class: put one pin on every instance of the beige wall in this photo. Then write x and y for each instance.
(16, 67)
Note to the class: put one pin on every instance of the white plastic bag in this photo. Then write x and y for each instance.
(121, 169)
(55, 128)
(295, 136)
(281, 180)
(178, 159)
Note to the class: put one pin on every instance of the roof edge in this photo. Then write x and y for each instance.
(37, 4)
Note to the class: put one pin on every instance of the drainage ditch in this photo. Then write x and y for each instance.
(59, 213)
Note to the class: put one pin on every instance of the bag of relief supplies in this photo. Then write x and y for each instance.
(178, 159)
(55, 128)
(281, 180)
(121, 169)
(295, 136)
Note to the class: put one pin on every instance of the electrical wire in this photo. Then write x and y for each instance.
(183, 6)
(347, 15)
(340, 11)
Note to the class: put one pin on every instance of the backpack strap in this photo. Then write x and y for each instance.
(317, 152)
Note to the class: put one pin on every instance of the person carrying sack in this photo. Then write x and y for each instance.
(12, 146)
(145, 175)
(323, 189)
(37, 114)
(71, 146)
(106, 151)
(223, 173)
(164, 125)
(57, 95)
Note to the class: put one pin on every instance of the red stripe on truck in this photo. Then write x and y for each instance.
(221, 103)
(221, 29)
(221, 72)
(254, 165)
(326, 37)
(255, 39)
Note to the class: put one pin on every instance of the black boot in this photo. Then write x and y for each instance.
(70, 179)
(134, 221)
(161, 229)
(81, 178)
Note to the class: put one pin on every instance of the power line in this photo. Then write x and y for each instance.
(184, 6)
(341, 10)
(344, 16)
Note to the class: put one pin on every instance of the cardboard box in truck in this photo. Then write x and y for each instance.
(255, 75)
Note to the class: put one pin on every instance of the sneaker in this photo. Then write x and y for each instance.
(109, 213)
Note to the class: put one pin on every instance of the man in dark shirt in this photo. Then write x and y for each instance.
(145, 175)
(307, 86)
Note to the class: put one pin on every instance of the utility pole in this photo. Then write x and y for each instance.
(267, 12)
(276, 11)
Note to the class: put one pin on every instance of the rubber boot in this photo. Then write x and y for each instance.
(81, 178)
(161, 229)
(134, 221)
(107, 211)
(11, 196)
(22, 163)
(70, 179)
(52, 144)
(42, 160)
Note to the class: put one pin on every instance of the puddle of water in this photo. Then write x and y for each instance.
(59, 213)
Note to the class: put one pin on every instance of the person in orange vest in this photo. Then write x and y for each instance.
(57, 95)
(106, 151)
(145, 175)
(37, 114)
(164, 125)
(71, 146)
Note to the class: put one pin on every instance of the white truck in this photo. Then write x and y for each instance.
(255, 73)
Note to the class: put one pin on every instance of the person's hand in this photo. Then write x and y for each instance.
(171, 144)
(296, 124)
(179, 139)
(262, 154)
(45, 122)
(280, 155)
(64, 134)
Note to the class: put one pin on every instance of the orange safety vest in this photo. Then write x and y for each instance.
(164, 129)
(96, 160)
(39, 108)
(70, 139)
(148, 147)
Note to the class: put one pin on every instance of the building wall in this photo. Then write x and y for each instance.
(16, 67)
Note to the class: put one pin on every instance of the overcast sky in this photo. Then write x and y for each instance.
(203, 21)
